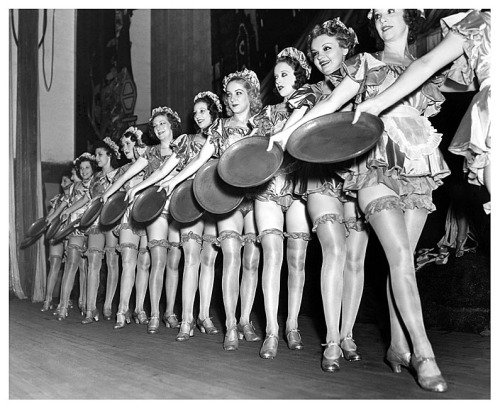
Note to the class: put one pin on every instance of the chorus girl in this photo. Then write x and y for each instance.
(76, 245)
(166, 126)
(132, 241)
(101, 240)
(394, 181)
(198, 238)
(275, 202)
(242, 100)
(336, 220)
(56, 249)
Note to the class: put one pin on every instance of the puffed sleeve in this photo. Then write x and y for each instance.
(142, 151)
(55, 201)
(215, 135)
(180, 145)
(262, 121)
(304, 96)
(475, 27)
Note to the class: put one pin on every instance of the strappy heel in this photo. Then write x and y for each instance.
(269, 348)
(185, 333)
(294, 340)
(62, 313)
(171, 321)
(396, 360)
(140, 318)
(122, 319)
(432, 383)
(47, 305)
(231, 340)
(247, 331)
(154, 324)
(207, 327)
(350, 349)
(331, 364)
(91, 316)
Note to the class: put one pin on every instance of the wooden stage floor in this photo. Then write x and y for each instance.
(50, 359)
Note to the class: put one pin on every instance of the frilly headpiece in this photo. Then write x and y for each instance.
(164, 111)
(113, 146)
(248, 75)
(337, 23)
(422, 13)
(210, 95)
(136, 131)
(84, 156)
(298, 55)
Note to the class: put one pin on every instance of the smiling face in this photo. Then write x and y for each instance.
(390, 24)
(284, 79)
(162, 127)
(102, 158)
(327, 54)
(86, 170)
(237, 97)
(201, 115)
(128, 147)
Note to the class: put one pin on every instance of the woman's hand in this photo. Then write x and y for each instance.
(369, 106)
(131, 195)
(281, 138)
(168, 185)
(64, 215)
(105, 197)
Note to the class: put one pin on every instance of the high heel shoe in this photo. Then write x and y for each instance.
(62, 313)
(461, 249)
(248, 332)
(350, 349)
(122, 319)
(329, 364)
(47, 305)
(81, 307)
(171, 321)
(140, 318)
(207, 327)
(396, 359)
(294, 340)
(433, 383)
(269, 348)
(231, 340)
(107, 314)
(154, 324)
(91, 316)
(186, 331)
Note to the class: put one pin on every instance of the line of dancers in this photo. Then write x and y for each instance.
(387, 191)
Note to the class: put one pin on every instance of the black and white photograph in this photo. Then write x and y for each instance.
(216, 204)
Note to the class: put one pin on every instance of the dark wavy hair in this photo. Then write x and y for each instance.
(132, 136)
(253, 96)
(298, 71)
(102, 145)
(79, 161)
(413, 20)
(212, 108)
(174, 124)
(346, 39)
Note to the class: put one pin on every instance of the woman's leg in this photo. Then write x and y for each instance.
(384, 212)
(209, 252)
(270, 221)
(298, 235)
(95, 254)
(191, 244)
(172, 277)
(128, 249)
(250, 271)
(82, 278)
(56, 252)
(112, 260)
(141, 279)
(231, 240)
(356, 244)
(74, 251)
(157, 242)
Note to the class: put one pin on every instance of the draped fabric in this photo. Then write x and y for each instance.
(27, 271)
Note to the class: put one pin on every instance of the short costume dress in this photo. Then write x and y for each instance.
(155, 159)
(280, 188)
(324, 179)
(406, 158)
(222, 136)
(473, 139)
(186, 147)
(57, 200)
(80, 190)
(100, 183)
